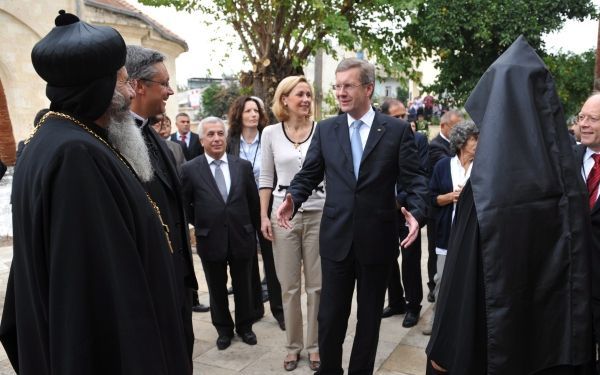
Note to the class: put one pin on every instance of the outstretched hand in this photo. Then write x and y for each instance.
(284, 212)
(413, 228)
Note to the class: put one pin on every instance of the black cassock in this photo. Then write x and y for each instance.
(92, 288)
(515, 294)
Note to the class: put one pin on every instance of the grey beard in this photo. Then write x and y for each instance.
(127, 138)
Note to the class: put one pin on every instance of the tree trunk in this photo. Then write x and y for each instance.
(7, 139)
(265, 78)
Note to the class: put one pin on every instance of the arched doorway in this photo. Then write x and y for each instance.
(7, 139)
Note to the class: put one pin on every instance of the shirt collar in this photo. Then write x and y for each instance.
(140, 118)
(209, 159)
(367, 118)
(251, 143)
(443, 137)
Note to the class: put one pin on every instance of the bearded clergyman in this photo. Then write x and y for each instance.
(92, 289)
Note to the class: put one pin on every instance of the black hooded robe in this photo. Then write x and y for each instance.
(92, 288)
(515, 295)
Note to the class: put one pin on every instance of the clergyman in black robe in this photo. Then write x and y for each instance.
(515, 296)
(92, 289)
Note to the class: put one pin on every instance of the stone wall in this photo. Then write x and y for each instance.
(24, 23)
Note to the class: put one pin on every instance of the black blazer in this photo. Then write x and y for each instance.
(439, 148)
(222, 228)
(194, 149)
(165, 189)
(595, 251)
(362, 214)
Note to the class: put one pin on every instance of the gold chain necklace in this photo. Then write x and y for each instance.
(115, 152)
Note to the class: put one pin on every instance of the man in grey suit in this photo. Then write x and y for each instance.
(362, 155)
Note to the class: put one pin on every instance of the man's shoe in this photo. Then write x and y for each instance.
(265, 295)
(410, 319)
(431, 296)
(391, 311)
(281, 323)
(200, 308)
(223, 342)
(248, 337)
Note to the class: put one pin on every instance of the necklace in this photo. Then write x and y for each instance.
(115, 152)
(299, 143)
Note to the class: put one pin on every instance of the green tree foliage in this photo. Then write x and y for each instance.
(466, 36)
(216, 99)
(278, 36)
(574, 77)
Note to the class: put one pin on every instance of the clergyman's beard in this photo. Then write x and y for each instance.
(127, 138)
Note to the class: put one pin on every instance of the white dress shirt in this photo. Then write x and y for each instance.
(224, 168)
(588, 164)
(367, 120)
(187, 138)
(251, 152)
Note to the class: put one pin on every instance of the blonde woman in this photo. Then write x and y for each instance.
(283, 149)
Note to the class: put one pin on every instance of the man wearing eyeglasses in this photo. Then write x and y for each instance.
(363, 156)
(588, 154)
(150, 80)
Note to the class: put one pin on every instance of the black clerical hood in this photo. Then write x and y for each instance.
(530, 203)
(79, 62)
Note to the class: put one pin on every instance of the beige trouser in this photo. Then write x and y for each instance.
(293, 249)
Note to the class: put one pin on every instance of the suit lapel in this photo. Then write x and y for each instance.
(375, 134)
(234, 174)
(162, 149)
(209, 178)
(579, 154)
(343, 136)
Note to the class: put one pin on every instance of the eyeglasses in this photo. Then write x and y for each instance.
(347, 86)
(127, 81)
(163, 84)
(592, 119)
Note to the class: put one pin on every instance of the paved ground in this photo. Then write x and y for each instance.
(400, 350)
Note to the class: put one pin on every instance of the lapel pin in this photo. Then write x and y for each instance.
(378, 129)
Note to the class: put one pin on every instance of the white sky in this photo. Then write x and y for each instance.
(210, 56)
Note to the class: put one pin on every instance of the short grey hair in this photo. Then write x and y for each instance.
(140, 63)
(210, 120)
(447, 116)
(460, 134)
(367, 70)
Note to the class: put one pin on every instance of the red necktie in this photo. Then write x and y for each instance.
(593, 180)
(183, 138)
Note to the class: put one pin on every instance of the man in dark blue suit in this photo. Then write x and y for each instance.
(189, 141)
(362, 155)
(411, 256)
(589, 163)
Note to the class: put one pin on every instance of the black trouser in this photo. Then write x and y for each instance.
(338, 279)
(432, 256)
(216, 278)
(266, 249)
(411, 277)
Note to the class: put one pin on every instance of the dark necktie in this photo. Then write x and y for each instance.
(183, 137)
(593, 180)
(220, 179)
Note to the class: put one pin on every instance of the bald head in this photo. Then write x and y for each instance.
(448, 120)
(394, 108)
(589, 122)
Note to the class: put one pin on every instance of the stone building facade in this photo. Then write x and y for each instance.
(25, 22)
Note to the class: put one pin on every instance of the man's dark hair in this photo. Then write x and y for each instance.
(385, 107)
